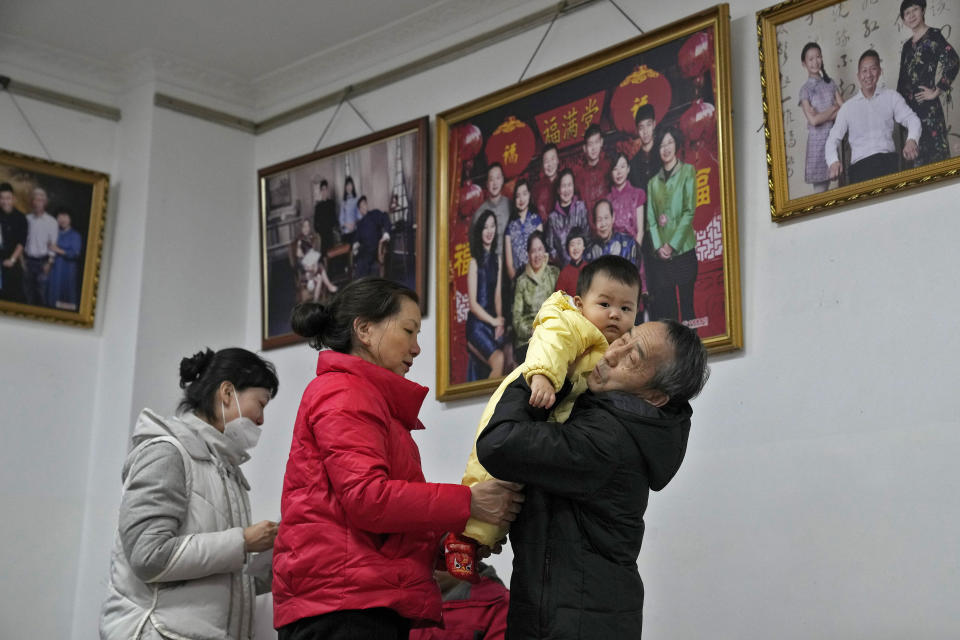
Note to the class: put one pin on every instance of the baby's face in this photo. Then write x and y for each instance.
(610, 305)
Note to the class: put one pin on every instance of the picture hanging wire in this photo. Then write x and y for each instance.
(360, 115)
(4, 83)
(346, 92)
(620, 9)
(540, 44)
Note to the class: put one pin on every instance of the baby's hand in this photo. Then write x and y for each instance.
(541, 392)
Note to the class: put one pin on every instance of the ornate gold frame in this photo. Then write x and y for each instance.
(716, 17)
(782, 206)
(33, 171)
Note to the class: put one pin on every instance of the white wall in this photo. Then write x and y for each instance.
(816, 499)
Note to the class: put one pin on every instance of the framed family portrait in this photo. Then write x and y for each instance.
(356, 209)
(51, 237)
(857, 99)
(626, 152)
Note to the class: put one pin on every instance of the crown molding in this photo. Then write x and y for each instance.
(363, 64)
(61, 70)
(393, 45)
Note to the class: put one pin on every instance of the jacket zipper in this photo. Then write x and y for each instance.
(543, 593)
(232, 519)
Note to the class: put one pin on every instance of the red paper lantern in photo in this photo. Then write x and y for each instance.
(471, 141)
(696, 55)
(643, 86)
(471, 196)
(512, 145)
(699, 124)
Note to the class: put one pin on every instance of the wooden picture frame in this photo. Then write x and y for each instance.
(683, 72)
(803, 121)
(389, 170)
(51, 239)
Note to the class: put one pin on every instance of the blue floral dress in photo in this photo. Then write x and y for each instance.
(519, 231)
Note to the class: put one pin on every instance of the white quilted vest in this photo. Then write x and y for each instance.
(213, 607)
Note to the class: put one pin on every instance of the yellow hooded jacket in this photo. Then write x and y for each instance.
(564, 344)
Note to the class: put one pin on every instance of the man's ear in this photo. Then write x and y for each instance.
(655, 397)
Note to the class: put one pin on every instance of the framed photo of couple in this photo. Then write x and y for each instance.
(857, 99)
(626, 152)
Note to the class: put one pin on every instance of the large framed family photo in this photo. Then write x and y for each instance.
(857, 99)
(626, 152)
(356, 209)
(51, 237)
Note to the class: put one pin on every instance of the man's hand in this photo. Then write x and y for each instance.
(910, 150)
(541, 392)
(835, 170)
(496, 501)
(260, 536)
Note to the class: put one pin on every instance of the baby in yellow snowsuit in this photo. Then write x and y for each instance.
(568, 341)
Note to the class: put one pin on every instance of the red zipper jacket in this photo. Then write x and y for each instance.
(360, 528)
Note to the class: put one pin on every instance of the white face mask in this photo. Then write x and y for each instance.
(243, 431)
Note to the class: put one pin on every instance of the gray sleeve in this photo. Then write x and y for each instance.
(153, 509)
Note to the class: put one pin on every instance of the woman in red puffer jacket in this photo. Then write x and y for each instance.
(360, 529)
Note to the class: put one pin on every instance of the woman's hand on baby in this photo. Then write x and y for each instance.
(541, 392)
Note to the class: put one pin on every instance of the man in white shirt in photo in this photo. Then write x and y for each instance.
(868, 118)
(42, 232)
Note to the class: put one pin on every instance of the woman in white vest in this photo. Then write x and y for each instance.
(184, 534)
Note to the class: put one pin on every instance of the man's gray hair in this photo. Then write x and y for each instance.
(683, 378)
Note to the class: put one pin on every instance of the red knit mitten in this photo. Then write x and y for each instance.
(460, 554)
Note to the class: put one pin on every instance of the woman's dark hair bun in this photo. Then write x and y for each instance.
(193, 367)
(330, 325)
(309, 319)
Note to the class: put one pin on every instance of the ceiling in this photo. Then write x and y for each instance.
(260, 56)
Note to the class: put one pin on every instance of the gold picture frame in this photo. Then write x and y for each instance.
(56, 284)
(843, 32)
(683, 72)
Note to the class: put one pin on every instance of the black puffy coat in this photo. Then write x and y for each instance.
(577, 540)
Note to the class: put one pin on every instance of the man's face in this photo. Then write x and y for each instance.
(632, 362)
(645, 132)
(63, 220)
(494, 182)
(603, 218)
(869, 74)
(362, 208)
(39, 201)
(6, 201)
(324, 192)
(592, 148)
(551, 162)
